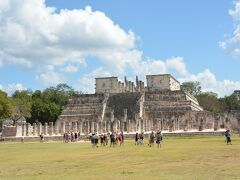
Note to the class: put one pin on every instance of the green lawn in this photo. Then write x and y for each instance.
(179, 158)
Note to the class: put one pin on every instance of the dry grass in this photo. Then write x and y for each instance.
(180, 158)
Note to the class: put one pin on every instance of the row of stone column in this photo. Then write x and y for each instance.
(88, 126)
(158, 124)
(36, 129)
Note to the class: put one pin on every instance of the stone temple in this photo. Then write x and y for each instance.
(130, 107)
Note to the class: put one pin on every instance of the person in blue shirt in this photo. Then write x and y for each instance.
(228, 136)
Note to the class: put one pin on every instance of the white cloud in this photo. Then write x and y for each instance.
(70, 68)
(11, 88)
(120, 60)
(173, 64)
(51, 78)
(1, 87)
(86, 83)
(209, 82)
(232, 44)
(45, 37)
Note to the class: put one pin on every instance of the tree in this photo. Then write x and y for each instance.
(231, 102)
(22, 102)
(5, 106)
(44, 112)
(192, 87)
(210, 102)
(47, 105)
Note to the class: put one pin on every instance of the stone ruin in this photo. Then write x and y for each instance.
(124, 106)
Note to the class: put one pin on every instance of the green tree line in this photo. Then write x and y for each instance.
(210, 100)
(38, 106)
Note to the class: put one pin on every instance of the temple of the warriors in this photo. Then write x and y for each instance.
(130, 107)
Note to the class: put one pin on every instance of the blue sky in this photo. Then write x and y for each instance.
(78, 40)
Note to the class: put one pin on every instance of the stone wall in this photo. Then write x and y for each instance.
(107, 85)
(162, 82)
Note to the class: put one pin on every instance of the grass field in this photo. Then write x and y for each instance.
(179, 158)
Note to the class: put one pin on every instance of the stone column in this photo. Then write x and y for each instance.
(63, 127)
(100, 126)
(51, 129)
(45, 129)
(188, 126)
(149, 125)
(105, 126)
(34, 129)
(116, 126)
(29, 130)
(74, 126)
(92, 127)
(143, 125)
(97, 127)
(140, 125)
(24, 129)
(79, 125)
(109, 126)
(39, 129)
(69, 126)
(81, 128)
(134, 123)
(128, 126)
(160, 124)
(56, 128)
(88, 127)
(122, 125)
(19, 129)
(112, 116)
(146, 125)
(175, 125)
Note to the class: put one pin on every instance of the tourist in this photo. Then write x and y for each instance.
(158, 139)
(79, 136)
(95, 140)
(105, 137)
(68, 136)
(75, 137)
(102, 140)
(228, 135)
(141, 138)
(136, 139)
(152, 139)
(72, 137)
(149, 139)
(41, 138)
(112, 139)
(117, 138)
(121, 139)
(65, 137)
(92, 139)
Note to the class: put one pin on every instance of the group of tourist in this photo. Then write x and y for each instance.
(114, 137)
(118, 138)
(71, 137)
(139, 139)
